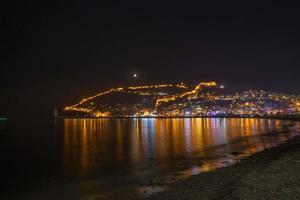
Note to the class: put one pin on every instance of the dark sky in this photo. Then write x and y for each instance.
(54, 52)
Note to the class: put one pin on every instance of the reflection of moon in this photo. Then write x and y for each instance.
(135, 75)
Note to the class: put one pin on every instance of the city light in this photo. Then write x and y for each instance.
(173, 100)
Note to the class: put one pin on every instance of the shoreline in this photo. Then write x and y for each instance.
(279, 117)
(270, 174)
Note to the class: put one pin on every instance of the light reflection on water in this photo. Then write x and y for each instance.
(140, 149)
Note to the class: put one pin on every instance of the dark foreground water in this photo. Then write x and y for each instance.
(124, 158)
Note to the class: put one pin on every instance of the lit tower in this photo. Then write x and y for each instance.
(55, 113)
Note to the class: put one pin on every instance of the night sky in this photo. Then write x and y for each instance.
(55, 52)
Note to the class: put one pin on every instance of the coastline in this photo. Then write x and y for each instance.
(279, 117)
(271, 174)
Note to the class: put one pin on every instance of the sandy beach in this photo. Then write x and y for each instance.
(270, 174)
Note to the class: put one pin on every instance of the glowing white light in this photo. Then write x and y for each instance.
(135, 75)
(222, 86)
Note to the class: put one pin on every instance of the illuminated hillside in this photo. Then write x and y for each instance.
(179, 100)
(137, 100)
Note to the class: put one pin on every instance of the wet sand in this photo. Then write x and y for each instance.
(270, 174)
